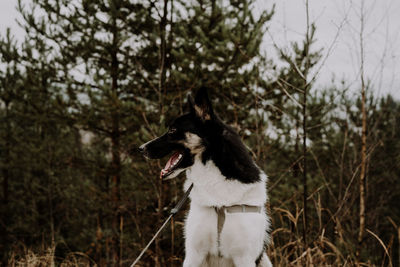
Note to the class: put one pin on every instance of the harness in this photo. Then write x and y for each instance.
(231, 209)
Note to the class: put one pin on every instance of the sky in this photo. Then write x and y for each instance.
(338, 24)
(337, 33)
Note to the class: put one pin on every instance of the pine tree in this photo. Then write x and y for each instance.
(38, 142)
(10, 82)
(217, 44)
(95, 79)
(294, 84)
(105, 61)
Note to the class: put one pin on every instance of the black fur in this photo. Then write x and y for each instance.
(258, 260)
(221, 143)
(230, 155)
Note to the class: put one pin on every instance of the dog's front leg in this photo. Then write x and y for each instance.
(196, 245)
(244, 262)
(193, 259)
(200, 235)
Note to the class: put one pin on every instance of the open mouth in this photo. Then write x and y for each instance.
(172, 164)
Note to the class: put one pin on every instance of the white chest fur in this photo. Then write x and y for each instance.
(211, 188)
(243, 234)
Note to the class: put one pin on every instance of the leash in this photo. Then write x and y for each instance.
(173, 211)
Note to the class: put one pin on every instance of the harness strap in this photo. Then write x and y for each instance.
(231, 209)
(220, 224)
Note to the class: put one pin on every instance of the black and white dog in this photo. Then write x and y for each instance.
(227, 224)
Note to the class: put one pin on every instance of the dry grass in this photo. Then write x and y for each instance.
(47, 259)
(286, 249)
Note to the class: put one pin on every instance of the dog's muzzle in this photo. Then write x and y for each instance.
(142, 148)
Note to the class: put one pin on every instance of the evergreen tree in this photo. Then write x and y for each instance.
(292, 89)
(38, 143)
(10, 83)
(98, 44)
(134, 54)
(95, 79)
(217, 44)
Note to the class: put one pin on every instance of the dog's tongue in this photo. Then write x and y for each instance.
(173, 160)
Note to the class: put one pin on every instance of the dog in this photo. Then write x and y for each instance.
(227, 224)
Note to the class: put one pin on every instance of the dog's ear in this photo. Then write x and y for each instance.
(201, 105)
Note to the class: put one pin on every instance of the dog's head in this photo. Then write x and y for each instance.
(186, 137)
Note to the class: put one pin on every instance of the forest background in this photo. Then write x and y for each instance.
(92, 80)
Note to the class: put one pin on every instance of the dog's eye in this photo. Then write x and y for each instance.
(171, 130)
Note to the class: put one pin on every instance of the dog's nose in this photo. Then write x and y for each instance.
(141, 148)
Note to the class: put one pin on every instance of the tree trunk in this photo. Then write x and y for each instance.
(115, 150)
(304, 111)
(162, 91)
(363, 140)
(363, 169)
(305, 220)
(6, 158)
(115, 192)
(6, 178)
